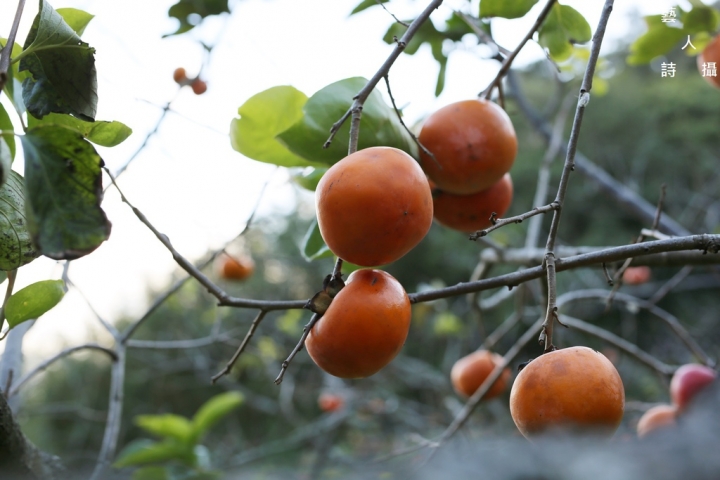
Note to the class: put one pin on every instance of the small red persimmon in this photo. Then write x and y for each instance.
(711, 54)
(237, 268)
(330, 402)
(687, 381)
(470, 372)
(636, 275)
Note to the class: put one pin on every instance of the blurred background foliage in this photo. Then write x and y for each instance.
(646, 131)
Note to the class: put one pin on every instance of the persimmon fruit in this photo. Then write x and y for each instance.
(180, 76)
(573, 388)
(656, 418)
(364, 327)
(687, 381)
(636, 275)
(330, 402)
(198, 86)
(710, 54)
(470, 372)
(469, 213)
(474, 145)
(237, 268)
(374, 206)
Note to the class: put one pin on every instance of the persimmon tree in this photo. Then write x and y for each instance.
(56, 208)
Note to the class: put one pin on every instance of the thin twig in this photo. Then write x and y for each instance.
(7, 50)
(501, 330)
(223, 298)
(516, 219)
(583, 99)
(670, 284)
(483, 36)
(298, 347)
(507, 63)
(672, 321)
(114, 414)
(44, 365)
(359, 100)
(629, 348)
(251, 331)
(390, 13)
(402, 122)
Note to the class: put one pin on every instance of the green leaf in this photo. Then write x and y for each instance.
(13, 87)
(64, 189)
(700, 19)
(33, 300)
(191, 12)
(309, 177)
(62, 68)
(106, 134)
(167, 425)
(365, 4)
(313, 245)
(76, 19)
(143, 452)
(16, 246)
(379, 125)
(151, 473)
(563, 27)
(658, 40)
(262, 117)
(505, 8)
(8, 129)
(213, 410)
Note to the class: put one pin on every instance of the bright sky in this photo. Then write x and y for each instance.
(188, 181)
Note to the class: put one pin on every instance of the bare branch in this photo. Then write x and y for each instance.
(672, 283)
(627, 347)
(359, 100)
(44, 365)
(298, 347)
(251, 331)
(507, 63)
(516, 219)
(7, 50)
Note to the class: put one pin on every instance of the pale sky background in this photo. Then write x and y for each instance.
(188, 181)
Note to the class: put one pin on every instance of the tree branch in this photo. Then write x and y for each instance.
(7, 50)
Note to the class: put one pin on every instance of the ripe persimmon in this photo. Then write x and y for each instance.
(198, 86)
(330, 402)
(711, 54)
(237, 268)
(636, 275)
(469, 213)
(364, 327)
(374, 206)
(474, 145)
(572, 388)
(180, 76)
(687, 381)
(470, 372)
(658, 417)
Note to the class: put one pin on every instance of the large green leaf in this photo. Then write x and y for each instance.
(313, 245)
(262, 117)
(700, 19)
(190, 12)
(33, 300)
(76, 19)
(8, 131)
(64, 190)
(505, 8)
(658, 40)
(167, 425)
(213, 410)
(16, 246)
(563, 28)
(144, 452)
(309, 177)
(107, 134)
(379, 125)
(62, 68)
